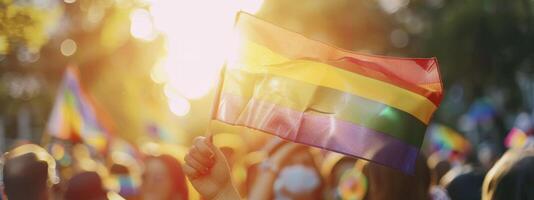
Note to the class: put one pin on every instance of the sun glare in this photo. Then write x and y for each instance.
(197, 36)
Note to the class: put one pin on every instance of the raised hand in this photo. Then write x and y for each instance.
(207, 169)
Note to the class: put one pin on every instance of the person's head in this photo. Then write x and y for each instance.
(85, 186)
(334, 166)
(387, 183)
(25, 177)
(464, 182)
(28, 172)
(163, 179)
(512, 177)
(299, 177)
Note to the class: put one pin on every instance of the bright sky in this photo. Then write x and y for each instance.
(197, 34)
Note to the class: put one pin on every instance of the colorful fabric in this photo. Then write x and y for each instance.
(516, 138)
(156, 132)
(75, 117)
(448, 142)
(373, 107)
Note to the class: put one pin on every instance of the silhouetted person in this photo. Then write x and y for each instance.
(85, 186)
(29, 173)
(25, 178)
(386, 183)
(467, 185)
(512, 177)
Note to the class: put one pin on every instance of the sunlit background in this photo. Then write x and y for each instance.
(155, 63)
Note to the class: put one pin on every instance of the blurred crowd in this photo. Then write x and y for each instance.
(258, 166)
(492, 58)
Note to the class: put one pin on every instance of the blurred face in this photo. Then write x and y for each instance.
(297, 182)
(298, 179)
(157, 183)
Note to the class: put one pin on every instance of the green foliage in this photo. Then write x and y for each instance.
(28, 25)
(481, 44)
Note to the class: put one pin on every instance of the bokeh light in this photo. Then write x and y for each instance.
(399, 38)
(141, 25)
(194, 53)
(392, 6)
(179, 106)
(177, 103)
(157, 74)
(57, 151)
(68, 47)
(28, 55)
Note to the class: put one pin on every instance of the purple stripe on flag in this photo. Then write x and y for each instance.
(319, 130)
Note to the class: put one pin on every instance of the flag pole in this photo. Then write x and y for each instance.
(215, 105)
(217, 97)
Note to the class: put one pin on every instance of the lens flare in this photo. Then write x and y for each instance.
(141, 25)
(195, 51)
(179, 107)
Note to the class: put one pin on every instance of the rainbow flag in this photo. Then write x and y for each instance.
(448, 142)
(372, 107)
(75, 117)
(157, 132)
(516, 138)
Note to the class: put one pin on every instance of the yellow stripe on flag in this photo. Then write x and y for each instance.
(257, 59)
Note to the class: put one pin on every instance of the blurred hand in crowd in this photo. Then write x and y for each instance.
(208, 170)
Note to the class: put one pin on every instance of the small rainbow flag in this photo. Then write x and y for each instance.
(75, 117)
(158, 132)
(448, 142)
(373, 107)
(516, 138)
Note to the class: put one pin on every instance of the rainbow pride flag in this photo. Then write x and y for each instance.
(372, 107)
(448, 142)
(516, 138)
(157, 132)
(75, 117)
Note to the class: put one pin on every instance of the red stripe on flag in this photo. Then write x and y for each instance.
(418, 75)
